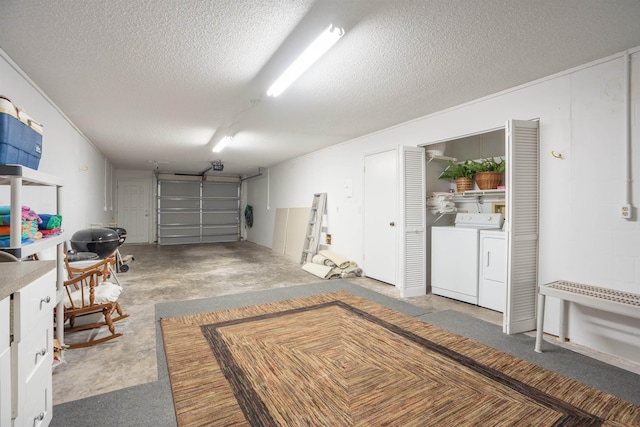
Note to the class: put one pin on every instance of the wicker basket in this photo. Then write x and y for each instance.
(488, 180)
(464, 184)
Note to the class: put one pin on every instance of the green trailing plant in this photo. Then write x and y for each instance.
(458, 170)
(489, 165)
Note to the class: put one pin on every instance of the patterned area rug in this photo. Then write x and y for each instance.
(338, 359)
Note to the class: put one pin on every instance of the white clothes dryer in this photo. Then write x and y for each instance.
(455, 255)
(492, 283)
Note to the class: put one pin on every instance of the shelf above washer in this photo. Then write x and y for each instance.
(476, 193)
(431, 157)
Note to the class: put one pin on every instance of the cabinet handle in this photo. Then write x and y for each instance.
(47, 299)
(42, 352)
(488, 253)
(39, 417)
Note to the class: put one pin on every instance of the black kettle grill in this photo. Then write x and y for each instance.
(101, 241)
(122, 234)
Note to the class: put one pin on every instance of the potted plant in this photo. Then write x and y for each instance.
(462, 173)
(488, 172)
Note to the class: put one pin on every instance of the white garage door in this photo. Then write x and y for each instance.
(198, 212)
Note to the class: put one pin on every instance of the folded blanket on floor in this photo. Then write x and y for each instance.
(326, 272)
(350, 272)
(322, 271)
(322, 260)
(339, 260)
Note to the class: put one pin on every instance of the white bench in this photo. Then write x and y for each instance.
(624, 303)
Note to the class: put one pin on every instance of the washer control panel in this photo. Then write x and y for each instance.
(480, 220)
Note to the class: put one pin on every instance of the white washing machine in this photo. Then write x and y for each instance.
(455, 255)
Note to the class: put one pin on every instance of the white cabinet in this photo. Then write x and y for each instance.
(32, 351)
(492, 287)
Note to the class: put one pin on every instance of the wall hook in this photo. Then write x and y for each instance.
(556, 155)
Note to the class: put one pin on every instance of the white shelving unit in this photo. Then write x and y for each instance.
(17, 177)
(32, 323)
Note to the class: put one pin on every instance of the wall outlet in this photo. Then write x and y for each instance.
(625, 211)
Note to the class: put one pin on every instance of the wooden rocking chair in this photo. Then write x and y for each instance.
(107, 266)
(85, 295)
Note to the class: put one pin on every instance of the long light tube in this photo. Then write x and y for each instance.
(320, 45)
(223, 143)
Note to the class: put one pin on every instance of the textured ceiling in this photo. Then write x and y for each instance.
(164, 80)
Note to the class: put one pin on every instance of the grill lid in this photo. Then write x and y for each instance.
(95, 235)
(121, 231)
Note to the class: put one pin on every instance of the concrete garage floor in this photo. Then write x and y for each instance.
(163, 274)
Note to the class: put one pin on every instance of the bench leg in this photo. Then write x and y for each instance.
(540, 323)
(564, 309)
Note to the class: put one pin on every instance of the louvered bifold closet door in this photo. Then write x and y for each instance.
(178, 212)
(220, 212)
(522, 195)
(413, 210)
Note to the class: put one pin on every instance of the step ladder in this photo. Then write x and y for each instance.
(314, 227)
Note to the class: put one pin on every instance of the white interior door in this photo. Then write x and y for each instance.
(380, 217)
(522, 183)
(134, 205)
(412, 205)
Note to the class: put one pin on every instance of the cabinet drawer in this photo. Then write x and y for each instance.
(37, 408)
(33, 305)
(35, 350)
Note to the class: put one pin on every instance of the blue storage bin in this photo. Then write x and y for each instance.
(20, 137)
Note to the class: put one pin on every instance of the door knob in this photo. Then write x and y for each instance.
(392, 224)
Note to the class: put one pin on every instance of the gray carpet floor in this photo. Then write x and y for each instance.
(151, 404)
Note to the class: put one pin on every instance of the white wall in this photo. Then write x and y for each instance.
(89, 188)
(582, 238)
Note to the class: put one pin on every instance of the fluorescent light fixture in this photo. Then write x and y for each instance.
(223, 143)
(310, 55)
